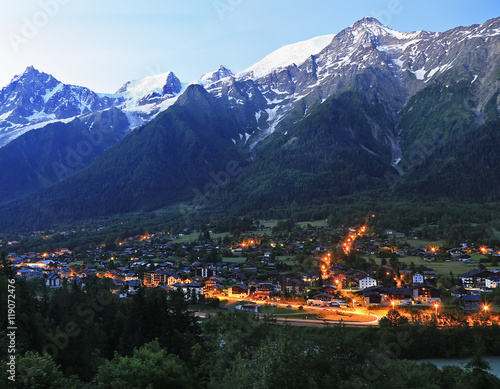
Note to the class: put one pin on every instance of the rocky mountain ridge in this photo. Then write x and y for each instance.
(364, 111)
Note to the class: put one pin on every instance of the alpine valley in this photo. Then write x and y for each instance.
(366, 115)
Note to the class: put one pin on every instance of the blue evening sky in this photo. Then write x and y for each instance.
(103, 43)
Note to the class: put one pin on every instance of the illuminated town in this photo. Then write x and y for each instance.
(347, 274)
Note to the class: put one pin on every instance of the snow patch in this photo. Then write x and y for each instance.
(18, 130)
(397, 48)
(237, 101)
(134, 120)
(40, 115)
(5, 115)
(420, 74)
(52, 92)
(432, 72)
(272, 113)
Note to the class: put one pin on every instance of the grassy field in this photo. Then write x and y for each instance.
(496, 232)
(280, 258)
(454, 267)
(194, 237)
(266, 232)
(274, 310)
(440, 267)
(269, 223)
(423, 242)
(314, 223)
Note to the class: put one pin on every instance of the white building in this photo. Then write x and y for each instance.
(418, 278)
(53, 281)
(492, 282)
(367, 282)
(189, 288)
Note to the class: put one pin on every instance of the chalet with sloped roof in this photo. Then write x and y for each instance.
(472, 303)
(475, 278)
(492, 282)
(238, 291)
(53, 280)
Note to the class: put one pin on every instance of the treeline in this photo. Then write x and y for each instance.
(449, 221)
(90, 235)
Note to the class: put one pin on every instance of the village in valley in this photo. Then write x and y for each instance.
(307, 271)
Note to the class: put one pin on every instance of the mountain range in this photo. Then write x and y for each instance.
(368, 111)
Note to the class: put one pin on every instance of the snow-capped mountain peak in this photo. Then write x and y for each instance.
(161, 84)
(378, 29)
(309, 71)
(295, 53)
(34, 98)
(373, 26)
(143, 99)
(369, 30)
(368, 23)
(219, 74)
